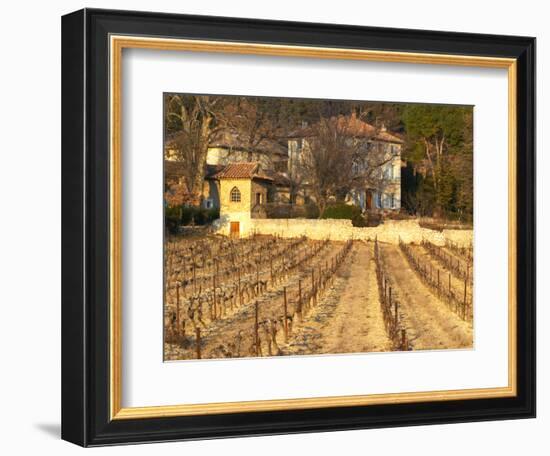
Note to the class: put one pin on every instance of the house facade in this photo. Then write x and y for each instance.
(228, 147)
(376, 165)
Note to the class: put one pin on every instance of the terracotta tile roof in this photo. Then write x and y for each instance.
(383, 135)
(351, 125)
(242, 171)
(354, 126)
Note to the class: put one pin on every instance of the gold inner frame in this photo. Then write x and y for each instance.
(117, 44)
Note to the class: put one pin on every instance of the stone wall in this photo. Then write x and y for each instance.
(258, 187)
(341, 230)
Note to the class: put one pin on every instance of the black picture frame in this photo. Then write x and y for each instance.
(85, 228)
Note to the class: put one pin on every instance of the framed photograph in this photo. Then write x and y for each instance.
(278, 227)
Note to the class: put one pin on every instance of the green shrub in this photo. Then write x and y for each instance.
(198, 215)
(211, 215)
(172, 218)
(285, 211)
(359, 220)
(341, 211)
(188, 215)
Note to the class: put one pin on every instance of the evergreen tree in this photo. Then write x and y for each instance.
(440, 145)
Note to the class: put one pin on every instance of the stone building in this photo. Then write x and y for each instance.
(376, 148)
(229, 147)
(243, 190)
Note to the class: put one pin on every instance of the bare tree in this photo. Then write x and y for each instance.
(191, 122)
(339, 158)
(176, 194)
(371, 163)
(295, 184)
(255, 119)
(327, 159)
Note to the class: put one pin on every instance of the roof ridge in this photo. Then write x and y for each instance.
(240, 170)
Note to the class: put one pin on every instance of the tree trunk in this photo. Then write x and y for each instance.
(321, 205)
(202, 151)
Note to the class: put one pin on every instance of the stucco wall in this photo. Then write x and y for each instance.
(234, 211)
(390, 231)
(246, 223)
(229, 207)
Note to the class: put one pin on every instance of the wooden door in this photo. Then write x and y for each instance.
(368, 203)
(234, 229)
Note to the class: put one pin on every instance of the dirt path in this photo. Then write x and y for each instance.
(349, 320)
(430, 323)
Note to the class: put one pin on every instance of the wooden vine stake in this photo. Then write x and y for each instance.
(194, 279)
(464, 304)
(178, 321)
(300, 300)
(285, 315)
(239, 287)
(198, 336)
(313, 297)
(256, 329)
(214, 288)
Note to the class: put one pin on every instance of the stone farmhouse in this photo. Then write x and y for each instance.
(241, 178)
(375, 146)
